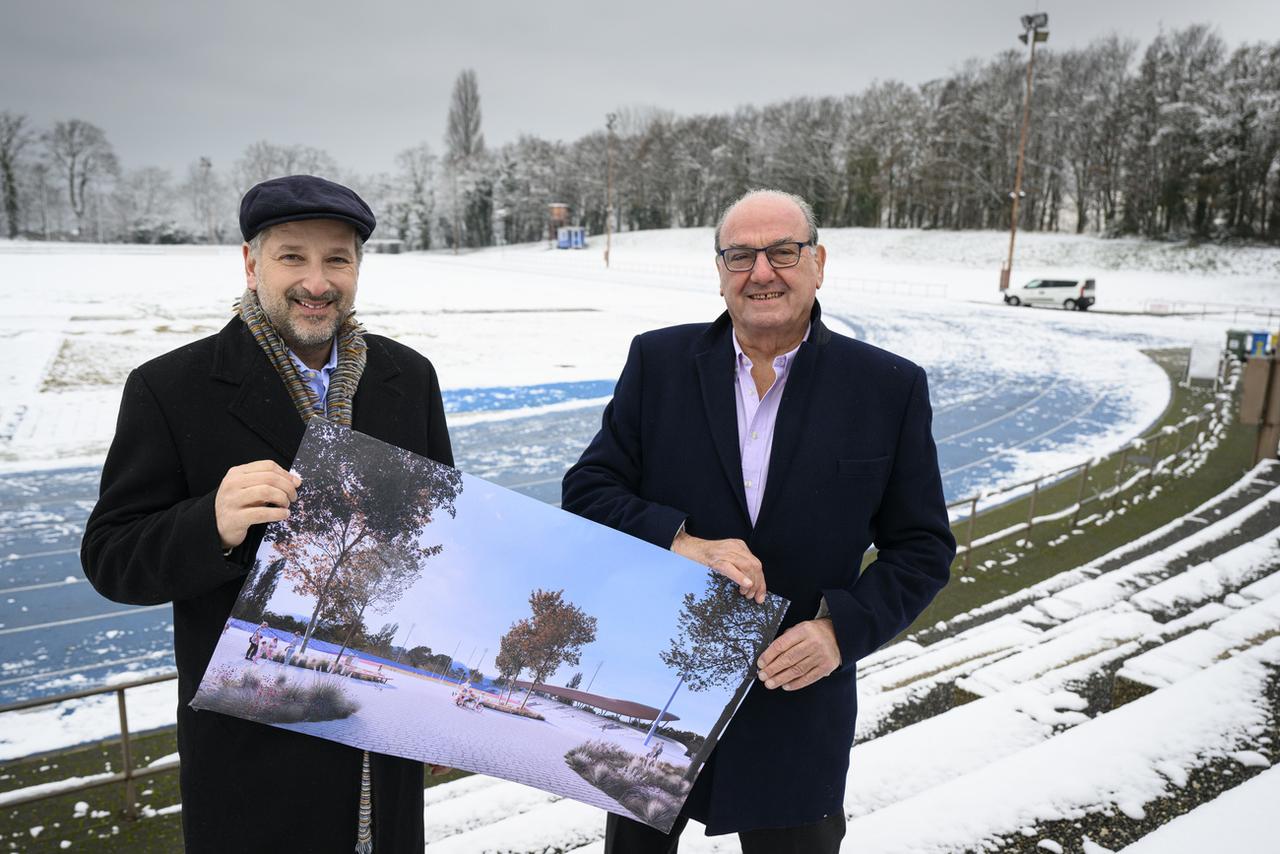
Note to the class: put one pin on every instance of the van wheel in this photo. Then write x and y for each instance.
(1069, 305)
(1013, 301)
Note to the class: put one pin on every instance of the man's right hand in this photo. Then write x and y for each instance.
(730, 558)
(251, 494)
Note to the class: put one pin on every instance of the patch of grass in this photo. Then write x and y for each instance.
(651, 789)
(1024, 559)
(102, 827)
(280, 700)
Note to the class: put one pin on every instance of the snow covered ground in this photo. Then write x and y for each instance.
(527, 343)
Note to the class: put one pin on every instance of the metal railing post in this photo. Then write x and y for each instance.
(1031, 506)
(130, 795)
(968, 546)
(1084, 479)
(1124, 458)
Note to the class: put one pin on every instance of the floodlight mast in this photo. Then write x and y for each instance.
(1035, 29)
(610, 121)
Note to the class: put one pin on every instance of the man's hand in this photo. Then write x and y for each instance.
(730, 558)
(250, 494)
(802, 655)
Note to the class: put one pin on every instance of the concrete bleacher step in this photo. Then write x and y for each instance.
(1257, 483)
(1106, 638)
(1180, 658)
(1255, 520)
(1113, 778)
(1240, 819)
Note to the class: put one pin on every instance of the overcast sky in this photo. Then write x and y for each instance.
(169, 82)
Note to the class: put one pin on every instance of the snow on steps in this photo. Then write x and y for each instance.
(1120, 584)
(1262, 478)
(1242, 819)
(1179, 658)
(1122, 761)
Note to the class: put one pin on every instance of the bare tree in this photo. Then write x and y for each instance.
(13, 138)
(417, 174)
(463, 139)
(264, 160)
(463, 143)
(82, 153)
(207, 196)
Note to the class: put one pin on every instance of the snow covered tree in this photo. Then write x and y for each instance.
(82, 154)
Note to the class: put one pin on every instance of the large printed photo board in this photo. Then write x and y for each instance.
(409, 609)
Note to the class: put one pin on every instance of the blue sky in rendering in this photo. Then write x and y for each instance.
(503, 545)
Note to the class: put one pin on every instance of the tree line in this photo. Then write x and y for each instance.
(1180, 140)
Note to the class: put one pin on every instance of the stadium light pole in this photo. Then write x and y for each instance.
(1034, 29)
(609, 121)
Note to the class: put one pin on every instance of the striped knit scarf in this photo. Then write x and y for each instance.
(352, 354)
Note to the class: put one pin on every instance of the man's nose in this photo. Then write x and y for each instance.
(315, 281)
(762, 270)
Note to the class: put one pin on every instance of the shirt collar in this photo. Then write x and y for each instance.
(786, 358)
(328, 366)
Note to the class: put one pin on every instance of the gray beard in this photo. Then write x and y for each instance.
(293, 335)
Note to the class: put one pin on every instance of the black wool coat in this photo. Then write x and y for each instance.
(853, 464)
(187, 417)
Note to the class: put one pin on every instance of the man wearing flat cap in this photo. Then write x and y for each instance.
(200, 464)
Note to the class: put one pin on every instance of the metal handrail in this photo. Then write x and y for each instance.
(966, 548)
(128, 776)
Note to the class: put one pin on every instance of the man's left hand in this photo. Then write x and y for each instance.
(800, 656)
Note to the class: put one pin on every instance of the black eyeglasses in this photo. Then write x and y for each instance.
(740, 259)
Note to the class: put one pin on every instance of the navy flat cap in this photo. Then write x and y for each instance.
(302, 197)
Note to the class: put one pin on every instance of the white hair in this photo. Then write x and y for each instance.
(805, 208)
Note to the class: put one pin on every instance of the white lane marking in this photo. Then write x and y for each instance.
(49, 674)
(50, 625)
(999, 418)
(66, 582)
(74, 551)
(1007, 448)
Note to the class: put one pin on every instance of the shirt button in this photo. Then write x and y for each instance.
(748, 484)
(755, 435)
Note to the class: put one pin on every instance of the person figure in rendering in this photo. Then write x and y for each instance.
(776, 452)
(290, 648)
(254, 640)
(200, 463)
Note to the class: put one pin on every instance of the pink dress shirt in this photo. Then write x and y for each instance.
(756, 419)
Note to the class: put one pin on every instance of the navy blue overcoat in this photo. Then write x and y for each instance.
(853, 465)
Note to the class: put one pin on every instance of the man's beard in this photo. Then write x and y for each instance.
(299, 332)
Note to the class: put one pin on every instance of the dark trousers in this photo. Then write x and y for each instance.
(625, 836)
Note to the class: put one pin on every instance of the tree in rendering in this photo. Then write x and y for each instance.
(560, 630)
(357, 497)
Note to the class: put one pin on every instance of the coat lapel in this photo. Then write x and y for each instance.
(715, 374)
(263, 403)
(377, 409)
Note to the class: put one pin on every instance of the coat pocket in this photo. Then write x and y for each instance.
(874, 467)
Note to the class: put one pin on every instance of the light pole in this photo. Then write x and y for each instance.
(1035, 29)
(609, 121)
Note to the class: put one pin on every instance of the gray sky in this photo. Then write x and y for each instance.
(169, 82)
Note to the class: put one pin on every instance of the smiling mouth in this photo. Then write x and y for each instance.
(313, 305)
(763, 297)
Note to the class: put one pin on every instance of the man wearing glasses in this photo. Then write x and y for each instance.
(776, 452)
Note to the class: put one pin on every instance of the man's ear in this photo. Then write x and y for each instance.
(821, 252)
(250, 268)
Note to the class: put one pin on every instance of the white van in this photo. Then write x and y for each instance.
(1070, 294)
